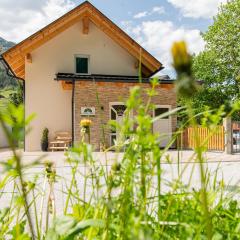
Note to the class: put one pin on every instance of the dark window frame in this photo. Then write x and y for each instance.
(79, 56)
(159, 110)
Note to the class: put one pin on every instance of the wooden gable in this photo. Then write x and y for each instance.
(20, 53)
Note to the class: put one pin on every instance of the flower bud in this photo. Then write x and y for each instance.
(181, 59)
(182, 62)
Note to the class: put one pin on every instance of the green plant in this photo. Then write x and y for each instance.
(44, 140)
(16, 97)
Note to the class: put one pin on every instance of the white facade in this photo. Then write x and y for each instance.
(3, 139)
(45, 97)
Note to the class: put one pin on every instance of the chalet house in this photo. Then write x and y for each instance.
(67, 62)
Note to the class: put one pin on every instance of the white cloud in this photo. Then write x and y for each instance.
(158, 36)
(127, 26)
(141, 14)
(157, 9)
(197, 8)
(18, 21)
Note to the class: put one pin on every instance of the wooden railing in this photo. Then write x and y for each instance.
(211, 139)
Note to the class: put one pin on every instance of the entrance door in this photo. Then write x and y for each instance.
(117, 111)
(163, 126)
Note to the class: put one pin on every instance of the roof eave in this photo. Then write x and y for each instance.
(106, 78)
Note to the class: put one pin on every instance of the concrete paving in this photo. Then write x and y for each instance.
(226, 167)
(173, 156)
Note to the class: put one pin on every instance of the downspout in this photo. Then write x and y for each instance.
(73, 115)
(11, 74)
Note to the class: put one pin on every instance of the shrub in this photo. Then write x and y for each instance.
(44, 140)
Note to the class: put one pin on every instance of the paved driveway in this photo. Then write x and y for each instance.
(227, 166)
(173, 156)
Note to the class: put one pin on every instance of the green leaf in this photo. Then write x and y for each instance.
(52, 235)
(83, 225)
(67, 227)
(64, 224)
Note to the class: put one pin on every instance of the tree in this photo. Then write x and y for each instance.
(16, 97)
(218, 66)
(5, 80)
(223, 37)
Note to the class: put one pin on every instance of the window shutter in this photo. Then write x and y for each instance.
(82, 65)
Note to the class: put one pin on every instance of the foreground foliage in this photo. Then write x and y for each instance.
(125, 199)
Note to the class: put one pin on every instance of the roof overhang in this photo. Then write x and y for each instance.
(17, 55)
(69, 77)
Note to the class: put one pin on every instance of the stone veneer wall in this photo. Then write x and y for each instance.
(85, 96)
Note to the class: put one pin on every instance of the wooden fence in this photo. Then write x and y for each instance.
(211, 139)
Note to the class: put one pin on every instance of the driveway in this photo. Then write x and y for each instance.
(172, 156)
(227, 167)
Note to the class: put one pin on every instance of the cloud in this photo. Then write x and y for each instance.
(158, 36)
(141, 14)
(197, 8)
(22, 18)
(155, 10)
(159, 10)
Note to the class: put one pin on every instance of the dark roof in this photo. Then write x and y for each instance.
(107, 78)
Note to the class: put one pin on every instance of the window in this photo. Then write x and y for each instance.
(82, 63)
(159, 111)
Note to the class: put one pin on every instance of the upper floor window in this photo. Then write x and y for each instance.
(82, 64)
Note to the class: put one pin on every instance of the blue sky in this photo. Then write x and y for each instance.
(125, 10)
(155, 24)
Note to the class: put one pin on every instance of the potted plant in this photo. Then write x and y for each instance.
(44, 140)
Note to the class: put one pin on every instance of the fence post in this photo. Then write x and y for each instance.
(227, 123)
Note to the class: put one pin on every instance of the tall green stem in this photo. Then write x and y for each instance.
(20, 174)
(198, 149)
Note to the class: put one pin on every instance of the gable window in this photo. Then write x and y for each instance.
(82, 64)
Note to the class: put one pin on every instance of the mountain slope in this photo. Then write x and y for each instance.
(5, 80)
(5, 45)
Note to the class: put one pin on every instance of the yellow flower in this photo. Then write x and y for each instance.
(182, 62)
(85, 123)
(181, 58)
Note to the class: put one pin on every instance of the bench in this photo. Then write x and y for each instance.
(62, 141)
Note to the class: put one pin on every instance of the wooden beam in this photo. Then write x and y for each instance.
(18, 69)
(85, 25)
(20, 72)
(22, 75)
(145, 71)
(17, 63)
(67, 86)
(29, 57)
